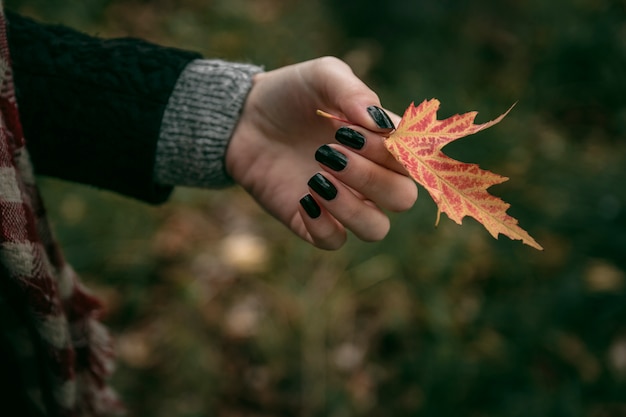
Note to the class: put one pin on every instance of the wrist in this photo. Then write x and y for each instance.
(198, 123)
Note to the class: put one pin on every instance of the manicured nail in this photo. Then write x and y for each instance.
(380, 117)
(330, 157)
(322, 186)
(310, 206)
(350, 137)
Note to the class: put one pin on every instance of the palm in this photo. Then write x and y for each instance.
(286, 132)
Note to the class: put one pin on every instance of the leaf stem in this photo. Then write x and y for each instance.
(332, 116)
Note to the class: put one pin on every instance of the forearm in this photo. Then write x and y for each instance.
(198, 123)
(91, 108)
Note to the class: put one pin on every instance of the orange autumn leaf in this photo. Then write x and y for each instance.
(459, 189)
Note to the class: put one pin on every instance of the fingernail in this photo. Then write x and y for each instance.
(380, 117)
(350, 137)
(310, 206)
(323, 187)
(330, 157)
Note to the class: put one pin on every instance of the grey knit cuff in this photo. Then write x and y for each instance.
(198, 122)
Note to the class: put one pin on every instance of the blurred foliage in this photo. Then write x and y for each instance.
(218, 310)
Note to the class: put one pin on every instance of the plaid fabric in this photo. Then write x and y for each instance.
(76, 348)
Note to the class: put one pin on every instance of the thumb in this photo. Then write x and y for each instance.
(352, 98)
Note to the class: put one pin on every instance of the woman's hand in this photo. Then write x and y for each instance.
(281, 152)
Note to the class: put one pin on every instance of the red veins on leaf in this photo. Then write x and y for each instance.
(458, 188)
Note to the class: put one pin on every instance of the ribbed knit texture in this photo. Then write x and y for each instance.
(198, 122)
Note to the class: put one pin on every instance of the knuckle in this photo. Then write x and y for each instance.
(330, 243)
(369, 224)
(326, 62)
(368, 181)
(378, 232)
(330, 239)
(406, 197)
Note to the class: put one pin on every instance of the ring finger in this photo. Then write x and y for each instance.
(365, 220)
(385, 187)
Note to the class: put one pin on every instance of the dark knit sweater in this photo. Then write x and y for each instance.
(91, 108)
(124, 114)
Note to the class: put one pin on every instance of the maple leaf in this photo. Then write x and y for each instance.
(459, 189)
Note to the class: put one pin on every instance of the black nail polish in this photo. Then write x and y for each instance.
(323, 187)
(330, 157)
(310, 206)
(380, 117)
(350, 137)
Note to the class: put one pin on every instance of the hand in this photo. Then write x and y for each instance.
(272, 154)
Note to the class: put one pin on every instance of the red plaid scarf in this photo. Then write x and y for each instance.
(77, 347)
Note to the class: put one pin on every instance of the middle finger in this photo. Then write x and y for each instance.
(383, 186)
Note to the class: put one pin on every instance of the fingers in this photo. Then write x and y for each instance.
(369, 145)
(360, 179)
(319, 227)
(385, 187)
(335, 199)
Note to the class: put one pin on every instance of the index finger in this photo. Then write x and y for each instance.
(368, 144)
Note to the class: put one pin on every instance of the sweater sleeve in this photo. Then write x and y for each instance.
(92, 108)
(198, 122)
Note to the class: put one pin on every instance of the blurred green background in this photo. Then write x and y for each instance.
(219, 311)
